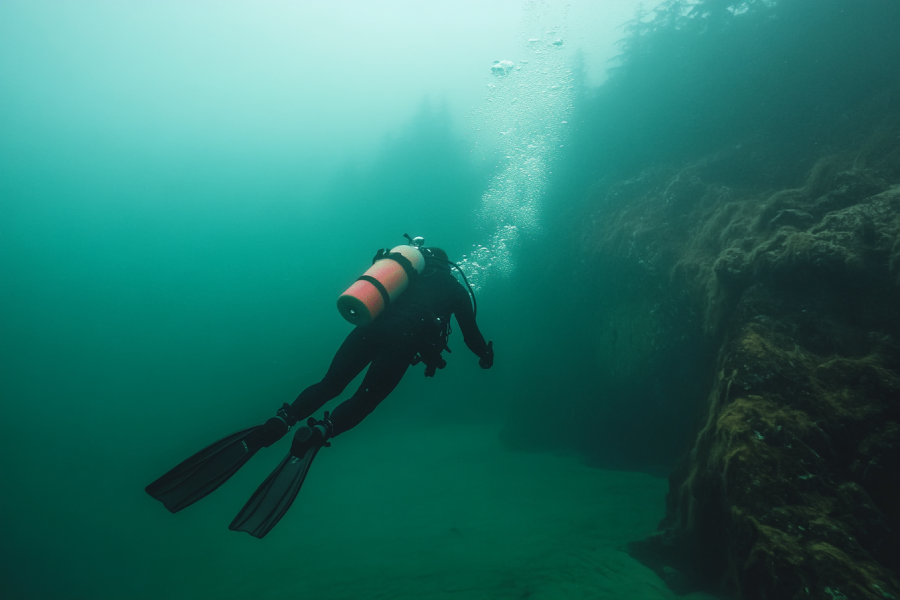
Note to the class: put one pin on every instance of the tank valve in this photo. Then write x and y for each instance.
(416, 241)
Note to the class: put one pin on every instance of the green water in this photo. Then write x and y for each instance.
(186, 188)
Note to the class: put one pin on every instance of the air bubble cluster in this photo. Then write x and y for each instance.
(502, 67)
(523, 121)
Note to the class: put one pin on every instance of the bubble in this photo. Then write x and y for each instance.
(524, 119)
(502, 67)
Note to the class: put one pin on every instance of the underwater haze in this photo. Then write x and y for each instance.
(185, 189)
(680, 223)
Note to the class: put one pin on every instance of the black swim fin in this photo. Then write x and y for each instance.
(274, 497)
(205, 471)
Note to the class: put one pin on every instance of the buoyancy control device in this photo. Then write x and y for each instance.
(391, 273)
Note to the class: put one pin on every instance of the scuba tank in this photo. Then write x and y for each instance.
(390, 274)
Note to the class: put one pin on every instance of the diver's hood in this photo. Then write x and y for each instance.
(435, 258)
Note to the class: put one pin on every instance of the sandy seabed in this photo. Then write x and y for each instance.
(444, 513)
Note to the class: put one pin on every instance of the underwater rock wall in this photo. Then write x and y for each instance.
(622, 372)
(792, 486)
(718, 291)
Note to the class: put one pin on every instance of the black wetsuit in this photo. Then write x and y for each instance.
(389, 343)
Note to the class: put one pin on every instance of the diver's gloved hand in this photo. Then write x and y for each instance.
(487, 361)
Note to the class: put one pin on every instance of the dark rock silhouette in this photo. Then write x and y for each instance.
(726, 268)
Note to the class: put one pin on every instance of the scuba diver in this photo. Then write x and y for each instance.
(402, 307)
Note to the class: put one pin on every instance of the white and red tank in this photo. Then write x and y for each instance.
(364, 300)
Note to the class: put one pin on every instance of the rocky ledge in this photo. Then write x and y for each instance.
(792, 487)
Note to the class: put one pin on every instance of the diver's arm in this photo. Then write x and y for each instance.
(471, 334)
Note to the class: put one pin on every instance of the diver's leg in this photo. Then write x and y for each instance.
(357, 350)
(388, 368)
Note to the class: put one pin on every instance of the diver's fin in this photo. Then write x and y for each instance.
(202, 473)
(276, 494)
(274, 497)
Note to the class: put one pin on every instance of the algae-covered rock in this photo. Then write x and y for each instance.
(792, 487)
(774, 319)
(772, 493)
(740, 192)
